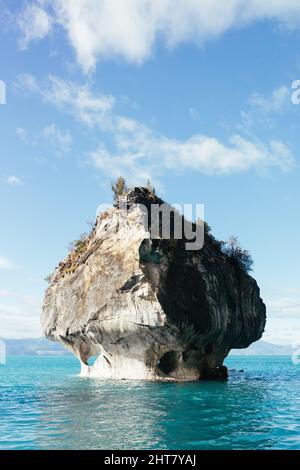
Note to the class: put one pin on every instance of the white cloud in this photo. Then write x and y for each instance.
(139, 152)
(19, 320)
(4, 293)
(284, 307)
(21, 133)
(145, 155)
(283, 317)
(283, 333)
(264, 110)
(13, 180)
(282, 330)
(73, 98)
(132, 166)
(19, 314)
(62, 140)
(276, 102)
(6, 263)
(34, 23)
(130, 28)
(26, 82)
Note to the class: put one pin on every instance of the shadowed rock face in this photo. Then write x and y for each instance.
(150, 309)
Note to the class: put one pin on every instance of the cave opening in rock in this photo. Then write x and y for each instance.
(91, 360)
(168, 362)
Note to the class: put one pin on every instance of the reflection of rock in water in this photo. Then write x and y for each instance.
(97, 414)
(93, 414)
(221, 415)
(149, 308)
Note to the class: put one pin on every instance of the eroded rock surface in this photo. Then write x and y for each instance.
(150, 309)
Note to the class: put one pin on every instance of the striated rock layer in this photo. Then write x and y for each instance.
(150, 309)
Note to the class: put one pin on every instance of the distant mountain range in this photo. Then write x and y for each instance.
(34, 347)
(262, 348)
(44, 347)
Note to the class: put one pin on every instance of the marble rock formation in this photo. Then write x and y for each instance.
(149, 308)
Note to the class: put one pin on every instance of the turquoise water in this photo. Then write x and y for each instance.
(45, 405)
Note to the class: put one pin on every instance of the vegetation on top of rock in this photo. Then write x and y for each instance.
(78, 243)
(48, 278)
(150, 187)
(240, 257)
(119, 188)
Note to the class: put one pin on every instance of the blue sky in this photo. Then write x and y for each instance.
(197, 97)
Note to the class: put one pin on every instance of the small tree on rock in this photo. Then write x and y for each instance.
(119, 188)
(150, 187)
(242, 258)
(79, 243)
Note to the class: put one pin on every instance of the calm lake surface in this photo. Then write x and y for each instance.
(45, 405)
